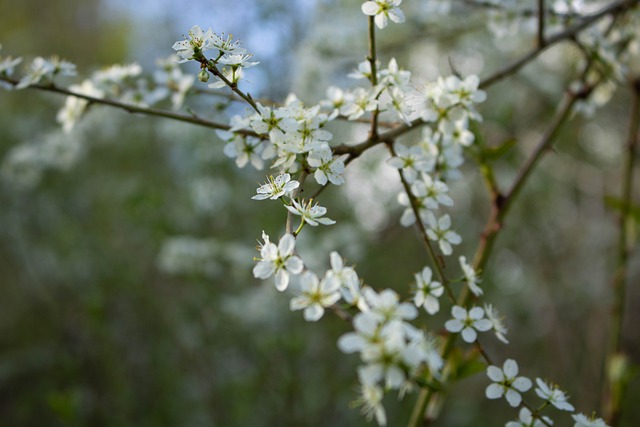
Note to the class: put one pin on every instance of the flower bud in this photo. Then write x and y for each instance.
(203, 76)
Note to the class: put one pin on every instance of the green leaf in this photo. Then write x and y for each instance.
(619, 205)
(494, 153)
(465, 364)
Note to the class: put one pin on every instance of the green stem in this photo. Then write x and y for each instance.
(289, 221)
(613, 386)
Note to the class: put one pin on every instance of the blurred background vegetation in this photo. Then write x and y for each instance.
(126, 289)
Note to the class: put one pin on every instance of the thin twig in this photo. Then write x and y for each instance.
(130, 108)
(541, 18)
(373, 132)
(613, 8)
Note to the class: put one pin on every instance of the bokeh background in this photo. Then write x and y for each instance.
(126, 295)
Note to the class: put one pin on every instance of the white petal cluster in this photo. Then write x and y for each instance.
(506, 383)
(310, 213)
(169, 75)
(276, 187)
(7, 64)
(411, 161)
(470, 276)
(429, 194)
(526, 419)
(383, 10)
(278, 260)
(43, 70)
(371, 402)
(315, 295)
(192, 47)
(468, 322)
(427, 291)
(243, 149)
(582, 420)
(440, 231)
(296, 136)
(391, 348)
(24, 164)
(350, 283)
(125, 83)
(497, 322)
(553, 395)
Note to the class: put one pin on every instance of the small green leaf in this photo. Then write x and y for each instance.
(465, 364)
(619, 205)
(494, 153)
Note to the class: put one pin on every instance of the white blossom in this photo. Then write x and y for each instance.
(440, 231)
(237, 60)
(584, 421)
(427, 291)
(506, 383)
(276, 187)
(243, 149)
(328, 167)
(383, 10)
(553, 395)
(278, 260)
(411, 160)
(467, 322)
(525, 419)
(470, 277)
(42, 71)
(198, 42)
(497, 322)
(316, 295)
(310, 213)
(371, 402)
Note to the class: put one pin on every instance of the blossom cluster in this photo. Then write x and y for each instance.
(448, 105)
(294, 139)
(394, 352)
(230, 54)
(123, 83)
(506, 383)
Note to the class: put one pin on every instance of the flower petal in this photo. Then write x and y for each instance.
(494, 391)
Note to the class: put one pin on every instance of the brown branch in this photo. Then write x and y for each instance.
(130, 108)
(614, 8)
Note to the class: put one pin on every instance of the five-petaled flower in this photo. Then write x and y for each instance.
(440, 231)
(310, 213)
(583, 421)
(467, 322)
(276, 187)
(427, 291)
(383, 10)
(278, 260)
(553, 395)
(199, 41)
(316, 295)
(506, 383)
